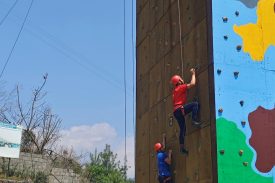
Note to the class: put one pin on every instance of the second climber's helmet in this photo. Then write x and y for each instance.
(175, 79)
(158, 147)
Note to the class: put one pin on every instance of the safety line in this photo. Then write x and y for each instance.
(181, 54)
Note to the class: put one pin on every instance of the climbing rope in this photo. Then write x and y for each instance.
(181, 54)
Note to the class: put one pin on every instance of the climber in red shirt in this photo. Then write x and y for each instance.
(181, 108)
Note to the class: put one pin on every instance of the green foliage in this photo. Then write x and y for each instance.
(104, 168)
(41, 177)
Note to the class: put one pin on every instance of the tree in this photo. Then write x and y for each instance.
(104, 168)
(41, 125)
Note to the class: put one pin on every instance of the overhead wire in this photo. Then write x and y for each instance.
(125, 89)
(133, 77)
(17, 38)
(73, 55)
(8, 12)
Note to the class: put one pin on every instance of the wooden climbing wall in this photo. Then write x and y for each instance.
(158, 58)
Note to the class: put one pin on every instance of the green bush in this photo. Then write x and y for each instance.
(40, 177)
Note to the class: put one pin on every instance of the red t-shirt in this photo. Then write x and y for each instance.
(179, 96)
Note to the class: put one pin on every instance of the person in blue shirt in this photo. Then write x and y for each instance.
(164, 162)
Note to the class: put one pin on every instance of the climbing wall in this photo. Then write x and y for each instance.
(158, 58)
(244, 62)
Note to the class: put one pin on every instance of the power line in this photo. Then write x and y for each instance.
(133, 77)
(125, 90)
(17, 38)
(73, 55)
(9, 11)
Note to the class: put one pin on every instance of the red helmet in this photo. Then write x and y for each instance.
(175, 79)
(158, 147)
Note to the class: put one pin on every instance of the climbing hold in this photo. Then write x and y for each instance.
(241, 152)
(220, 110)
(237, 13)
(225, 37)
(241, 102)
(222, 151)
(243, 123)
(245, 163)
(224, 19)
(236, 74)
(239, 47)
(219, 71)
(164, 100)
(171, 121)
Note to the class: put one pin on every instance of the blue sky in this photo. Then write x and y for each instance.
(80, 45)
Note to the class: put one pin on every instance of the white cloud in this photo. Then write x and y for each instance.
(87, 138)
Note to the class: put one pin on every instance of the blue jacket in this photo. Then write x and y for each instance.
(163, 167)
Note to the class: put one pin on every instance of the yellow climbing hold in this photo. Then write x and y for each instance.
(257, 38)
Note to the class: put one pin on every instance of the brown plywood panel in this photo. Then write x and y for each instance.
(157, 42)
(157, 124)
(193, 144)
(205, 161)
(156, 12)
(143, 95)
(171, 125)
(167, 4)
(178, 167)
(143, 24)
(142, 169)
(192, 12)
(195, 44)
(171, 26)
(140, 5)
(172, 67)
(156, 83)
(153, 167)
(143, 62)
(201, 93)
(142, 135)
(199, 158)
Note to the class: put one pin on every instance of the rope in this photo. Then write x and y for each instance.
(17, 38)
(181, 54)
(9, 11)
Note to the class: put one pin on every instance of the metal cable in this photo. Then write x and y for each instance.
(9, 11)
(125, 89)
(17, 38)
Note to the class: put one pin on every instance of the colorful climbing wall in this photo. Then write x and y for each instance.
(244, 68)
